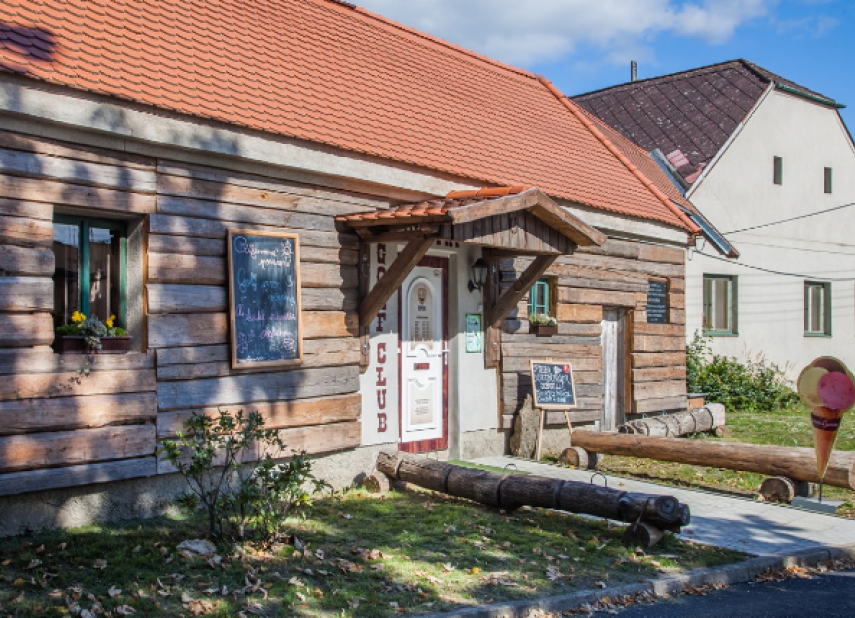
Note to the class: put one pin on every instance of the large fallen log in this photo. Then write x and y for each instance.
(709, 418)
(791, 462)
(511, 491)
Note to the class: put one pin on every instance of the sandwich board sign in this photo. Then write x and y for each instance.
(552, 383)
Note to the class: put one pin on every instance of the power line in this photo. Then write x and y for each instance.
(774, 272)
(812, 214)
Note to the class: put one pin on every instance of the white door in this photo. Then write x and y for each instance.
(614, 368)
(424, 358)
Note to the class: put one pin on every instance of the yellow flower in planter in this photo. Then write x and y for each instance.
(110, 321)
(77, 317)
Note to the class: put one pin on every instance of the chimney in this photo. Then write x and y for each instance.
(634, 70)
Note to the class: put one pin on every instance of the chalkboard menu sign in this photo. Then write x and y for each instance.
(657, 302)
(264, 292)
(552, 383)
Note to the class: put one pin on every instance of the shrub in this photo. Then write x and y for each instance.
(751, 385)
(232, 465)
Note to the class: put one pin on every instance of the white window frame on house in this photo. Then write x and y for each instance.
(817, 309)
(720, 305)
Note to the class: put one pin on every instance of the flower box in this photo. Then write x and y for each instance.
(65, 344)
(542, 330)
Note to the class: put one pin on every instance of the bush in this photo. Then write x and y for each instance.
(230, 462)
(752, 385)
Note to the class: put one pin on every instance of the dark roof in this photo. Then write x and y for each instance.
(690, 115)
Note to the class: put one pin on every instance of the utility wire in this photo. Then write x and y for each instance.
(812, 214)
(774, 272)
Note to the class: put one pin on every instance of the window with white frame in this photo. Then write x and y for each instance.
(817, 308)
(720, 305)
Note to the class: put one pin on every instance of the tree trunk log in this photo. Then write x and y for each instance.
(380, 483)
(511, 491)
(795, 463)
(578, 457)
(709, 418)
(642, 535)
(783, 489)
(778, 489)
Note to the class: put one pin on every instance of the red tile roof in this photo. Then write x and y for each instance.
(423, 211)
(328, 72)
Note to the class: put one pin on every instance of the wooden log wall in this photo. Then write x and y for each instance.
(60, 428)
(614, 275)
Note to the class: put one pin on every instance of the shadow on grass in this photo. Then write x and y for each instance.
(361, 555)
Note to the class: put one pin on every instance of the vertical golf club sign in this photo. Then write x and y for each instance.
(264, 293)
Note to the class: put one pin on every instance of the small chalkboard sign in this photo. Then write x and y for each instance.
(264, 293)
(657, 301)
(552, 382)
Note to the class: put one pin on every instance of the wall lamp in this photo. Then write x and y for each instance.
(479, 274)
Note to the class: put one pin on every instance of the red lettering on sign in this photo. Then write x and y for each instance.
(381, 347)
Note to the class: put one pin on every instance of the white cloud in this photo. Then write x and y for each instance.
(812, 26)
(527, 32)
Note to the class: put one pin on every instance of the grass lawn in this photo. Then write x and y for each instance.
(362, 555)
(787, 427)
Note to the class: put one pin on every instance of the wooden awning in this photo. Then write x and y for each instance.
(510, 220)
(518, 220)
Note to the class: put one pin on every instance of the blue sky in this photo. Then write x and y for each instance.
(583, 45)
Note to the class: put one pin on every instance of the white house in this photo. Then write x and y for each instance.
(771, 164)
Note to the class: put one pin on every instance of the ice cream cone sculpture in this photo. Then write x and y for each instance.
(827, 387)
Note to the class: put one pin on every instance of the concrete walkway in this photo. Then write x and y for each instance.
(756, 528)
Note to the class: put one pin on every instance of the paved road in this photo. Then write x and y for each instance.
(831, 595)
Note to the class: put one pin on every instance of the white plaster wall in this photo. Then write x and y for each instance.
(738, 192)
(477, 390)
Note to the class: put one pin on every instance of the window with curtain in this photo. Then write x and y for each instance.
(817, 308)
(719, 305)
(89, 275)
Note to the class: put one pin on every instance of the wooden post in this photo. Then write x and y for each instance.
(492, 335)
(540, 435)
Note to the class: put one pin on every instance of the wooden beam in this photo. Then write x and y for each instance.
(514, 294)
(400, 234)
(492, 335)
(394, 277)
(492, 208)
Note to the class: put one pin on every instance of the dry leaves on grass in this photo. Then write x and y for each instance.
(499, 579)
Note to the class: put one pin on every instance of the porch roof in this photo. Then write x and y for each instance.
(518, 219)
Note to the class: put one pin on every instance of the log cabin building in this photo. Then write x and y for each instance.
(418, 193)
